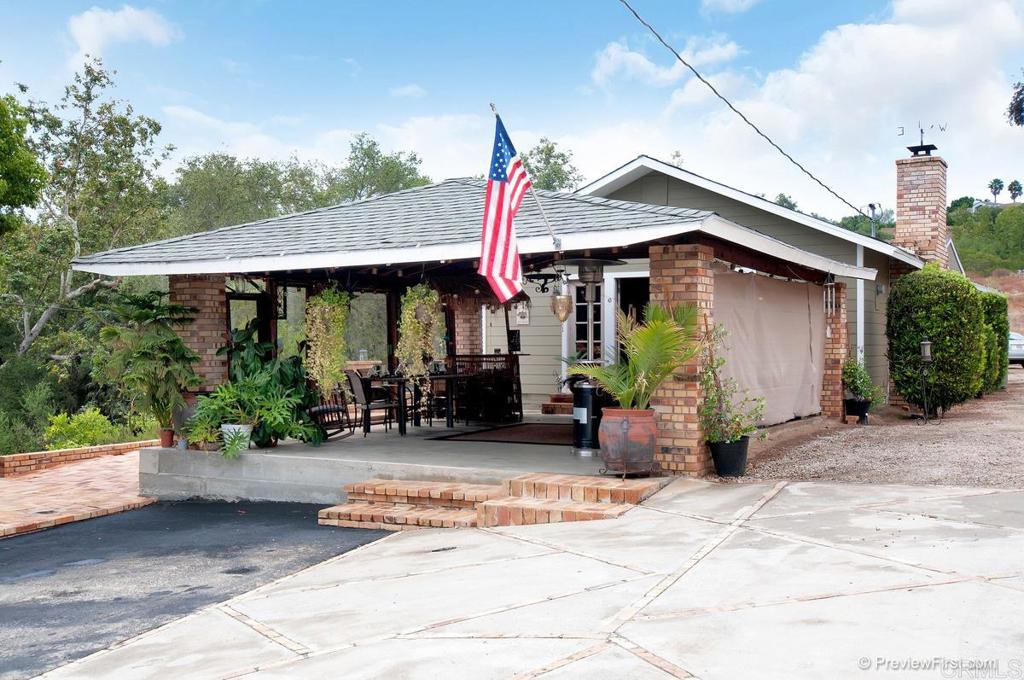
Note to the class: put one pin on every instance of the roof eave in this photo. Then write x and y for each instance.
(642, 165)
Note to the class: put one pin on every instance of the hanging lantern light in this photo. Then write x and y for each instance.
(561, 302)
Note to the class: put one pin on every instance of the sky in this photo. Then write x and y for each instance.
(832, 82)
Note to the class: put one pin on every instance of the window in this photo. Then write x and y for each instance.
(580, 322)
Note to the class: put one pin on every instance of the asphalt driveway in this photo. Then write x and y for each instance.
(70, 591)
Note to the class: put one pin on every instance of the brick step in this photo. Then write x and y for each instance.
(412, 492)
(584, 489)
(517, 511)
(560, 398)
(556, 409)
(395, 517)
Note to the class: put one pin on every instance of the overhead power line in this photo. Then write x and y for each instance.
(739, 113)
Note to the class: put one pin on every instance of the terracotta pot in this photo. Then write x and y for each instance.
(628, 440)
(166, 438)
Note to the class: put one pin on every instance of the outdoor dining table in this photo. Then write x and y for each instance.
(400, 382)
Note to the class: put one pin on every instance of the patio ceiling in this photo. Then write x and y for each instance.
(435, 223)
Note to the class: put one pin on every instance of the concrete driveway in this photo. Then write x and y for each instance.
(715, 581)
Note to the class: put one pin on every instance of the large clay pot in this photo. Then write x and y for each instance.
(628, 440)
(166, 438)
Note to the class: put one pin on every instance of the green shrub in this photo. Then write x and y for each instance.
(946, 308)
(857, 381)
(88, 428)
(16, 436)
(996, 309)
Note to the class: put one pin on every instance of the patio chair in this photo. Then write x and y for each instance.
(331, 415)
(366, 405)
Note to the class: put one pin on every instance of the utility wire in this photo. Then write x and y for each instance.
(737, 111)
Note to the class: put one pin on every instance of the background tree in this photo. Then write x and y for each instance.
(995, 187)
(551, 168)
(101, 160)
(1015, 190)
(962, 202)
(1015, 111)
(369, 171)
(885, 222)
(21, 175)
(785, 201)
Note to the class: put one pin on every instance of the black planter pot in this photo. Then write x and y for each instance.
(857, 407)
(730, 457)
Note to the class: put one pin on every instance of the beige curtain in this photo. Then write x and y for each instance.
(776, 341)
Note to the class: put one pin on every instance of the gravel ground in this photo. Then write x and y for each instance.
(980, 443)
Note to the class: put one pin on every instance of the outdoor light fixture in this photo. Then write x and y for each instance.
(561, 302)
(926, 360)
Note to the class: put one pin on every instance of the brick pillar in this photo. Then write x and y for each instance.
(682, 274)
(468, 325)
(209, 331)
(921, 208)
(837, 349)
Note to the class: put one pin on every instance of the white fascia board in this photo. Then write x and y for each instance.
(755, 240)
(385, 256)
(642, 165)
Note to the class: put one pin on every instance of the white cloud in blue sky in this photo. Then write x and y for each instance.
(727, 6)
(94, 29)
(411, 91)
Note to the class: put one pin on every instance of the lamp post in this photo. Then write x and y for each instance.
(926, 360)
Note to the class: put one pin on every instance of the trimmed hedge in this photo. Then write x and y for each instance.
(997, 316)
(946, 308)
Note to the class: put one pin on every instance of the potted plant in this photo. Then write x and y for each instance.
(235, 408)
(326, 348)
(861, 394)
(419, 320)
(651, 351)
(726, 421)
(148, 358)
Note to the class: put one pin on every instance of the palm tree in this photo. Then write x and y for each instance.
(995, 186)
(1015, 190)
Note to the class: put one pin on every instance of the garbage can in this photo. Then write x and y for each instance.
(586, 417)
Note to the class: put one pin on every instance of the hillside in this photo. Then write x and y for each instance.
(1013, 286)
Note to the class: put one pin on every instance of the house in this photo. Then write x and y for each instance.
(781, 301)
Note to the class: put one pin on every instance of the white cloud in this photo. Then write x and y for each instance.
(94, 29)
(727, 6)
(411, 91)
(617, 60)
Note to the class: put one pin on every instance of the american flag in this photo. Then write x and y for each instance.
(506, 185)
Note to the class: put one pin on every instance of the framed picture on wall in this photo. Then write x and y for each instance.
(521, 312)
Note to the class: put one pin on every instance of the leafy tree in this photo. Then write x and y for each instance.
(885, 222)
(1015, 111)
(101, 159)
(21, 175)
(551, 168)
(995, 187)
(962, 202)
(1015, 190)
(369, 171)
(785, 201)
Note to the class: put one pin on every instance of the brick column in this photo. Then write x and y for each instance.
(837, 348)
(468, 325)
(209, 331)
(682, 274)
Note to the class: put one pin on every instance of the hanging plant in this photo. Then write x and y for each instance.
(421, 315)
(326, 351)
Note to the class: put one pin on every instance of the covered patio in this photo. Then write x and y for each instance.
(430, 235)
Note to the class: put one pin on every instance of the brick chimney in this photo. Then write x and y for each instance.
(921, 205)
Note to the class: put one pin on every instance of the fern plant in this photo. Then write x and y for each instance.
(651, 349)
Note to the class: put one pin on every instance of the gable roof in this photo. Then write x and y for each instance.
(643, 165)
(434, 222)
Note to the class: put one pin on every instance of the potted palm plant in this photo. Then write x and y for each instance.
(148, 358)
(861, 394)
(651, 351)
(726, 420)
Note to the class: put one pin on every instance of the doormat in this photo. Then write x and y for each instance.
(549, 434)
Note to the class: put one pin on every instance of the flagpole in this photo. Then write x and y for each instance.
(557, 241)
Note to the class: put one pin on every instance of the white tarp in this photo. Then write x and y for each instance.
(776, 342)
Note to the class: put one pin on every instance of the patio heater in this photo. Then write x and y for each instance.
(586, 405)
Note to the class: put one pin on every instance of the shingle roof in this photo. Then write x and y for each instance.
(449, 212)
(435, 222)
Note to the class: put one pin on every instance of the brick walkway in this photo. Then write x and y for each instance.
(92, 488)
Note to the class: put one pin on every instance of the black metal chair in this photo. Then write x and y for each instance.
(367, 405)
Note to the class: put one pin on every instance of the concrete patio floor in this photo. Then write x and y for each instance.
(715, 581)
